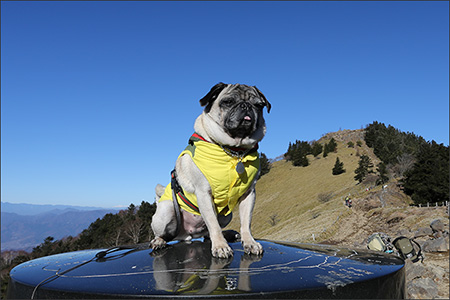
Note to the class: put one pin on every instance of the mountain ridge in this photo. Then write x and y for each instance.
(24, 232)
(35, 209)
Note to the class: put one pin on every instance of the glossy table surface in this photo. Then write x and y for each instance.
(285, 270)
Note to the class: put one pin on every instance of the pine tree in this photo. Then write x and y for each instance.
(145, 213)
(382, 174)
(45, 248)
(288, 154)
(389, 143)
(316, 148)
(428, 180)
(338, 167)
(299, 159)
(265, 164)
(364, 168)
(297, 153)
(332, 145)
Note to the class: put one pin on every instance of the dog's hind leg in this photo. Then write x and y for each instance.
(164, 224)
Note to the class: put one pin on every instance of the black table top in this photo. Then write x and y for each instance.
(183, 269)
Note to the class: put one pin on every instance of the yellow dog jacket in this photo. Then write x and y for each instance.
(219, 168)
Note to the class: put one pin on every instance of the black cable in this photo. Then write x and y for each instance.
(57, 275)
(98, 256)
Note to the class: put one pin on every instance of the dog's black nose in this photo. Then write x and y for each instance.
(244, 105)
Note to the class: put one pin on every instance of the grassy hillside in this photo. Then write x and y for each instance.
(288, 205)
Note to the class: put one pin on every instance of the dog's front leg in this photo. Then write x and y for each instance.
(245, 214)
(219, 246)
(193, 181)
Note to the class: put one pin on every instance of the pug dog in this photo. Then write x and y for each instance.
(216, 172)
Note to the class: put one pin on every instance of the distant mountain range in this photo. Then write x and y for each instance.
(24, 226)
(35, 209)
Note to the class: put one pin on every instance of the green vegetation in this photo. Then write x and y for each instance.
(317, 148)
(427, 180)
(297, 153)
(382, 174)
(338, 167)
(265, 164)
(331, 146)
(364, 168)
(422, 166)
(389, 143)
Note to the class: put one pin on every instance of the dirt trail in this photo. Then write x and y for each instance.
(351, 229)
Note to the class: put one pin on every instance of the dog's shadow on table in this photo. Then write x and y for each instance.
(190, 268)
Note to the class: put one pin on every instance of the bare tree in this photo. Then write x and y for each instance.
(116, 240)
(405, 162)
(134, 229)
(7, 258)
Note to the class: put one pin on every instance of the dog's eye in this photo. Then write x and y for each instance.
(227, 102)
(259, 105)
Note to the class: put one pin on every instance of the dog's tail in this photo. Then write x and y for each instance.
(159, 190)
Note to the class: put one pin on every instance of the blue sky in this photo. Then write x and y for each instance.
(99, 98)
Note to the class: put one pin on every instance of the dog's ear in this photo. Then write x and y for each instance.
(263, 98)
(213, 93)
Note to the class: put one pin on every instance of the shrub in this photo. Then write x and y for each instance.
(273, 219)
(325, 197)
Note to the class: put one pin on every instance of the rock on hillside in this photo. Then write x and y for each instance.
(345, 136)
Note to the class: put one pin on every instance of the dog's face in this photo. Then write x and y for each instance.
(237, 109)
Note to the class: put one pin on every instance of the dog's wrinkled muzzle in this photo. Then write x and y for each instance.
(240, 121)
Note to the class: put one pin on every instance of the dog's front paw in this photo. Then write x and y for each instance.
(253, 247)
(221, 250)
(158, 243)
